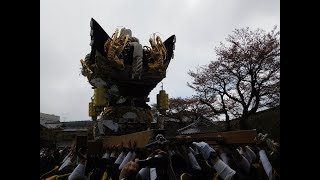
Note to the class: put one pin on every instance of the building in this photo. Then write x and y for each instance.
(71, 129)
(50, 121)
(49, 117)
(267, 120)
(77, 128)
(201, 125)
(49, 127)
(54, 133)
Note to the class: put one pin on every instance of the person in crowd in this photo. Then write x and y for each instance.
(184, 161)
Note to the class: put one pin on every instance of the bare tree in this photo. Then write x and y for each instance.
(245, 77)
(179, 108)
(221, 107)
(188, 107)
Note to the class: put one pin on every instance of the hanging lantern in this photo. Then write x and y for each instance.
(92, 111)
(100, 97)
(162, 101)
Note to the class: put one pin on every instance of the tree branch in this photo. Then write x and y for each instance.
(239, 92)
(268, 76)
(210, 105)
(254, 92)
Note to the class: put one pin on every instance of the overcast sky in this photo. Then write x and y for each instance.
(199, 26)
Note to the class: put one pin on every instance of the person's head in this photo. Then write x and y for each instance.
(130, 170)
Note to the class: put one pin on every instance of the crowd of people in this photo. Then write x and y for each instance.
(172, 161)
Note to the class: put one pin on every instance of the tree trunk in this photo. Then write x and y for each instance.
(228, 127)
(243, 122)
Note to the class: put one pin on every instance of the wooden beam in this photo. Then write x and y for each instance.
(230, 137)
(140, 138)
(143, 138)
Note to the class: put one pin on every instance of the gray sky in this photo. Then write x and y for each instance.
(199, 26)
